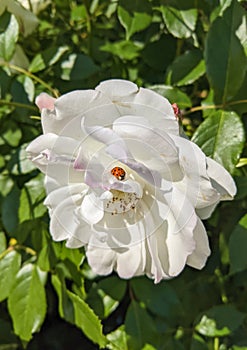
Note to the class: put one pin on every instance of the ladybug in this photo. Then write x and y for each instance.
(119, 173)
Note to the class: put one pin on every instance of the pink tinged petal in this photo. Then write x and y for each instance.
(45, 101)
(202, 251)
(153, 177)
(115, 145)
(69, 109)
(95, 175)
(221, 180)
(58, 175)
(154, 148)
(81, 161)
(93, 169)
(92, 209)
(117, 149)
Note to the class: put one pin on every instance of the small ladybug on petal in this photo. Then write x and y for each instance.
(119, 173)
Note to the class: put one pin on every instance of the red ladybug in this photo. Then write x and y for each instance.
(119, 173)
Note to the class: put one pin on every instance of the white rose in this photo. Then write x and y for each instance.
(121, 182)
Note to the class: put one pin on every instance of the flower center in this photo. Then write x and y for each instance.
(120, 202)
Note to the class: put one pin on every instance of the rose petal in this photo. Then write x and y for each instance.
(68, 111)
(92, 209)
(202, 251)
(130, 261)
(132, 100)
(155, 149)
(102, 261)
(45, 101)
(221, 180)
(115, 88)
(60, 194)
(63, 222)
(196, 184)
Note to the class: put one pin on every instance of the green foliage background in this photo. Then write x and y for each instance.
(192, 52)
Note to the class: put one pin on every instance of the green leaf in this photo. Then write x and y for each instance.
(118, 339)
(9, 266)
(27, 302)
(78, 13)
(4, 21)
(113, 286)
(11, 205)
(237, 247)
(47, 58)
(238, 102)
(76, 256)
(31, 199)
(134, 15)
(140, 327)
(187, 68)
(160, 53)
(241, 182)
(224, 55)
(180, 23)
(76, 311)
(26, 19)
(198, 343)
(65, 307)
(6, 184)
(78, 67)
(87, 320)
(173, 94)
(221, 137)
(105, 296)
(148, 347)
(24, 204)
(8, 39)
(47, 257)
(19, 164)
(12, 135)
(126, 50)
(220, 321)
(155, 295)
(3, 243)
(28, 85)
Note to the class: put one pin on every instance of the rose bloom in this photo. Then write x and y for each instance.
(123, 183)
